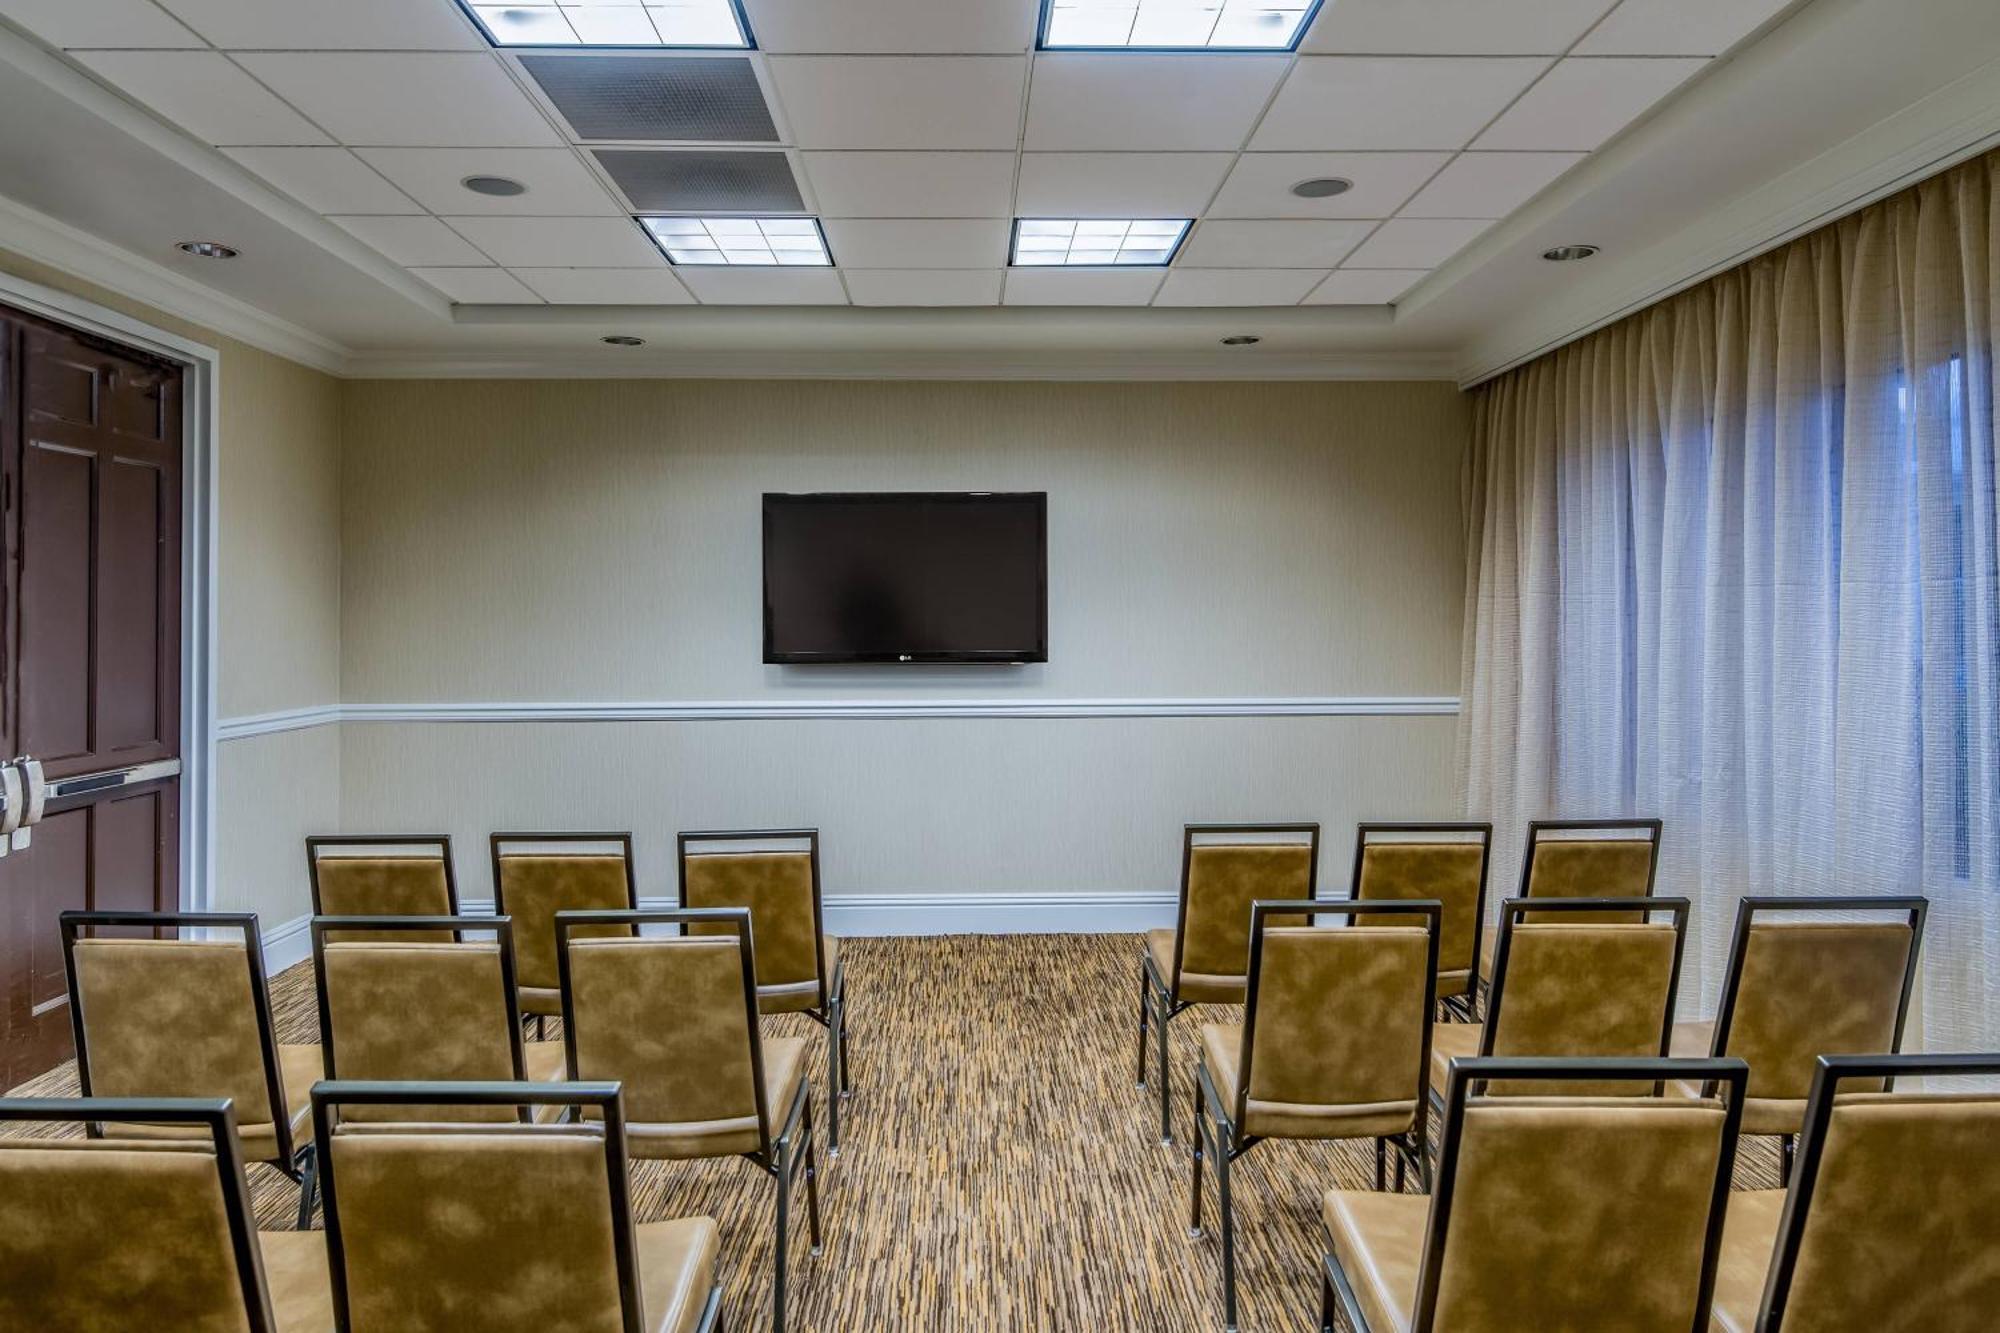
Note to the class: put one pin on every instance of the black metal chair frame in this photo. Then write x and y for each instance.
(441, 842)
(218, 1116)
(1159, 997)
(1337, 1292)
(1466, 1003)
(299, 1162)
(495, 843)
(1747, 911)
(778, 1155)
(604, 1096)
(831, 1012)
(1218, 1121)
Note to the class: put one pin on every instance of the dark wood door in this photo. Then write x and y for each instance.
(90, 676)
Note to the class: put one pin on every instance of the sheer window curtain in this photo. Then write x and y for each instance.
(1733, 561)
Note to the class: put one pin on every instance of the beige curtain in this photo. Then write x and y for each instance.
(1733, 561)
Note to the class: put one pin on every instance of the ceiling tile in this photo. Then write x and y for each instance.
(1415, 242)
(1582, 103)
(478, 286)
(422, 99)
(1180, 103)
(1261, 184)
(81, 23)
(1677, 27)
(1390, 102)
(330, 25)
(561, 242)
(912, 185)
(1367, 286)
(1127, 185)
(326, 180)
(901, 101)
(1049, 286)
(1489, 185)
(1288, 244)
(416, 241)
(1238, 286)
(924, 287)
(918, 243)
(1452, 27)
(606, 286)
(205, 95)
(765, 286)
(925, 26)
(558, 184)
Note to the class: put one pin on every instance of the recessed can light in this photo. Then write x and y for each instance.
(1562, 254)
(209, 249)
(1241, 340)
(1322, 187)
(622, 340)
(499, 187)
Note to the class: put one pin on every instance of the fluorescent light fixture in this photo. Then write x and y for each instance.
(1175, 25)
(1097, 242)
(742, 242)
(628, 23)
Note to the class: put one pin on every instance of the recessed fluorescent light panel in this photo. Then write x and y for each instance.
(742, 242)
(1175, 25)
(1097, 242)
(660, 23)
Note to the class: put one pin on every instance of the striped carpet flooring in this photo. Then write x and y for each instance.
(999, 1171)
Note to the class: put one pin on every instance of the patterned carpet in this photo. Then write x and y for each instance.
(999, 1170)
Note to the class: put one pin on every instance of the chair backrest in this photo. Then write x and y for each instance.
(672, 1018)
(399, 1000)
(1340, 1017)
(1224, 869)
(775, 874)
(1578, 1212)
(1603, 986)
(436, 1228)
(395, 874)
(1591, 858)
(1447, 862)
(156, 1017)
(536, 875)
(1895, 1204)
(108, 1233)
(1797, 989)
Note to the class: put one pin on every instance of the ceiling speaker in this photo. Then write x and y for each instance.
(656, 97)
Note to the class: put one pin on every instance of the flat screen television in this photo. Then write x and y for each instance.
(906, 577)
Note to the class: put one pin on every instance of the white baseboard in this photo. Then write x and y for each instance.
(287, 945)
(959, 913)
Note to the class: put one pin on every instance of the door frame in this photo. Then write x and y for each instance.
(202, 367)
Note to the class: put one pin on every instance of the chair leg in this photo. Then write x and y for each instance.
(1401, 1163)
(784, 1183)
(1226, 1210)
(1326, 1302)
(1787, 1148)
(1166, 1080)
(835, 1068)
(1200, 1138)
(812, 1179)
(1145, 1009)
(839, 1038)
(308, 1166)
(1381, 1163)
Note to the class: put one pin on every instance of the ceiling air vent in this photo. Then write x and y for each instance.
(676, 181)
(656, 97)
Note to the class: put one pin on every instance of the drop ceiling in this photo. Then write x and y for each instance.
(329, 143)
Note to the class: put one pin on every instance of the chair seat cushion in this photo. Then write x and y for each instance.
(1222, 1045)
(1451, 1041)
(1378, 1240)
(798, 996)
(1195, 987)
(1761, 1115)
(295, 1270)
(545, 1061)
(784, 1070)
(544, 1000)
(1691, 1040)
(676, 1271)
(1749, 1239)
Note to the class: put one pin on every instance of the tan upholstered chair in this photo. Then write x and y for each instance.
(536, 875)
(1446, 862)
(1334, 1044)
(1588, 858)
(394, 874)
(674, 1019)
(401, 1000)
(131, 1233)
(775, 874)
(438, 1228)
(1892, 1218)
(1575, 977)
(159, 1017)
(1205, 958)
(1550, 1212)
(1799, 986)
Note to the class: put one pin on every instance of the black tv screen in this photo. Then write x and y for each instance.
(906, 577)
